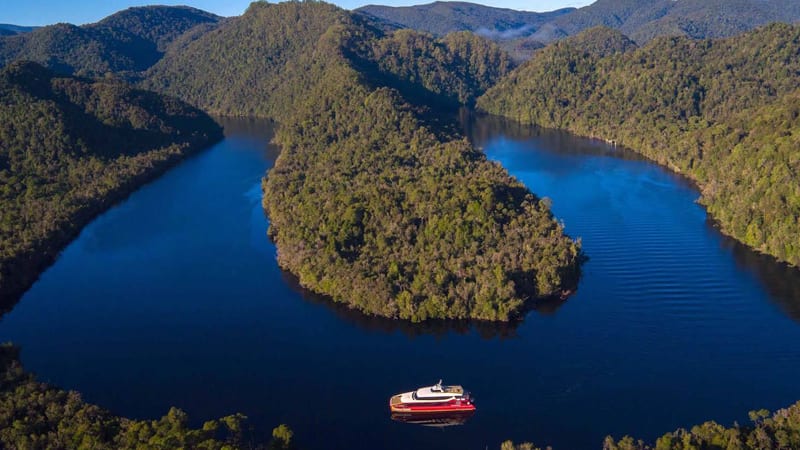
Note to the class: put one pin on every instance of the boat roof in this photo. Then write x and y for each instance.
(438, 390)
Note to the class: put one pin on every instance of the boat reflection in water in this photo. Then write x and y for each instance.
(439, 419)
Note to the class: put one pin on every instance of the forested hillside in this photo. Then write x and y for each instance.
(724, 112)
(124, 43)
(366, 204)
(258, 64)
(69, 148)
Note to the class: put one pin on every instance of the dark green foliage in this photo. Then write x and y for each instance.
(160, 25)
(282, 438)
(259, 64)
(253, 65)
(69, 148)
(128, 41)
(34, 415)
(723, 112)
(454, 70)
(372, 209)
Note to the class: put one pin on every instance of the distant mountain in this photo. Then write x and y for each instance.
(643, 20)
(509, 28)
(10, 30)
(522, 32)
(128, 41)
(440, 18)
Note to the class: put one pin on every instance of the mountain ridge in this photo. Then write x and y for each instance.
(125, 42)
(641, 20)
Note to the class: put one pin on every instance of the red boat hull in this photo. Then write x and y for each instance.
(452, 406)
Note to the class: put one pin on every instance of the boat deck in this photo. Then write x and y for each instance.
(453, 389)
(395, 399)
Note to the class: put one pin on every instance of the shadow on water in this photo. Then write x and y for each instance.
(481, 128)
(780, 280)
(256, 128)
(486, 330)
(436, 420)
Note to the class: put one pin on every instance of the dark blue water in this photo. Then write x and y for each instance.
(174, 298)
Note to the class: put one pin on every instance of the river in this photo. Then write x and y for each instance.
(174, 298)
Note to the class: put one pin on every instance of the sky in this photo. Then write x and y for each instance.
(46, 12)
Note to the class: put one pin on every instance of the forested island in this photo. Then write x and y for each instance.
(368, 203)
(723, 112)
(71, 147)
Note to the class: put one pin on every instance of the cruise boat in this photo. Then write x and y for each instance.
(432, 399)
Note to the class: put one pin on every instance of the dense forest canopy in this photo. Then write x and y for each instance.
(724, 112)
(122, 44)
(68, 148)
(367, 204)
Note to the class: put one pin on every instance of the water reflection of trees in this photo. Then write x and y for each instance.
(486, 330)
(252, 128)
(482, 128)
(781, 281)
(439, 420)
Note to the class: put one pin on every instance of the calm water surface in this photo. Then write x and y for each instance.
(174, 298)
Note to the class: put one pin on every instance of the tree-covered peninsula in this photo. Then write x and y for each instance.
(768, 431)
(723, 112)
(35, 415)
(369, 203)
(71, 147)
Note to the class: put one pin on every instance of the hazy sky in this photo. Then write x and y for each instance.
(45, 12)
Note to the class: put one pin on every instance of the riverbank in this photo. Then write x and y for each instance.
(67, 160)
(683, 104)
(23, 269)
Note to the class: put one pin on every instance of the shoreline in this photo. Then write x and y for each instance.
(24, 269)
